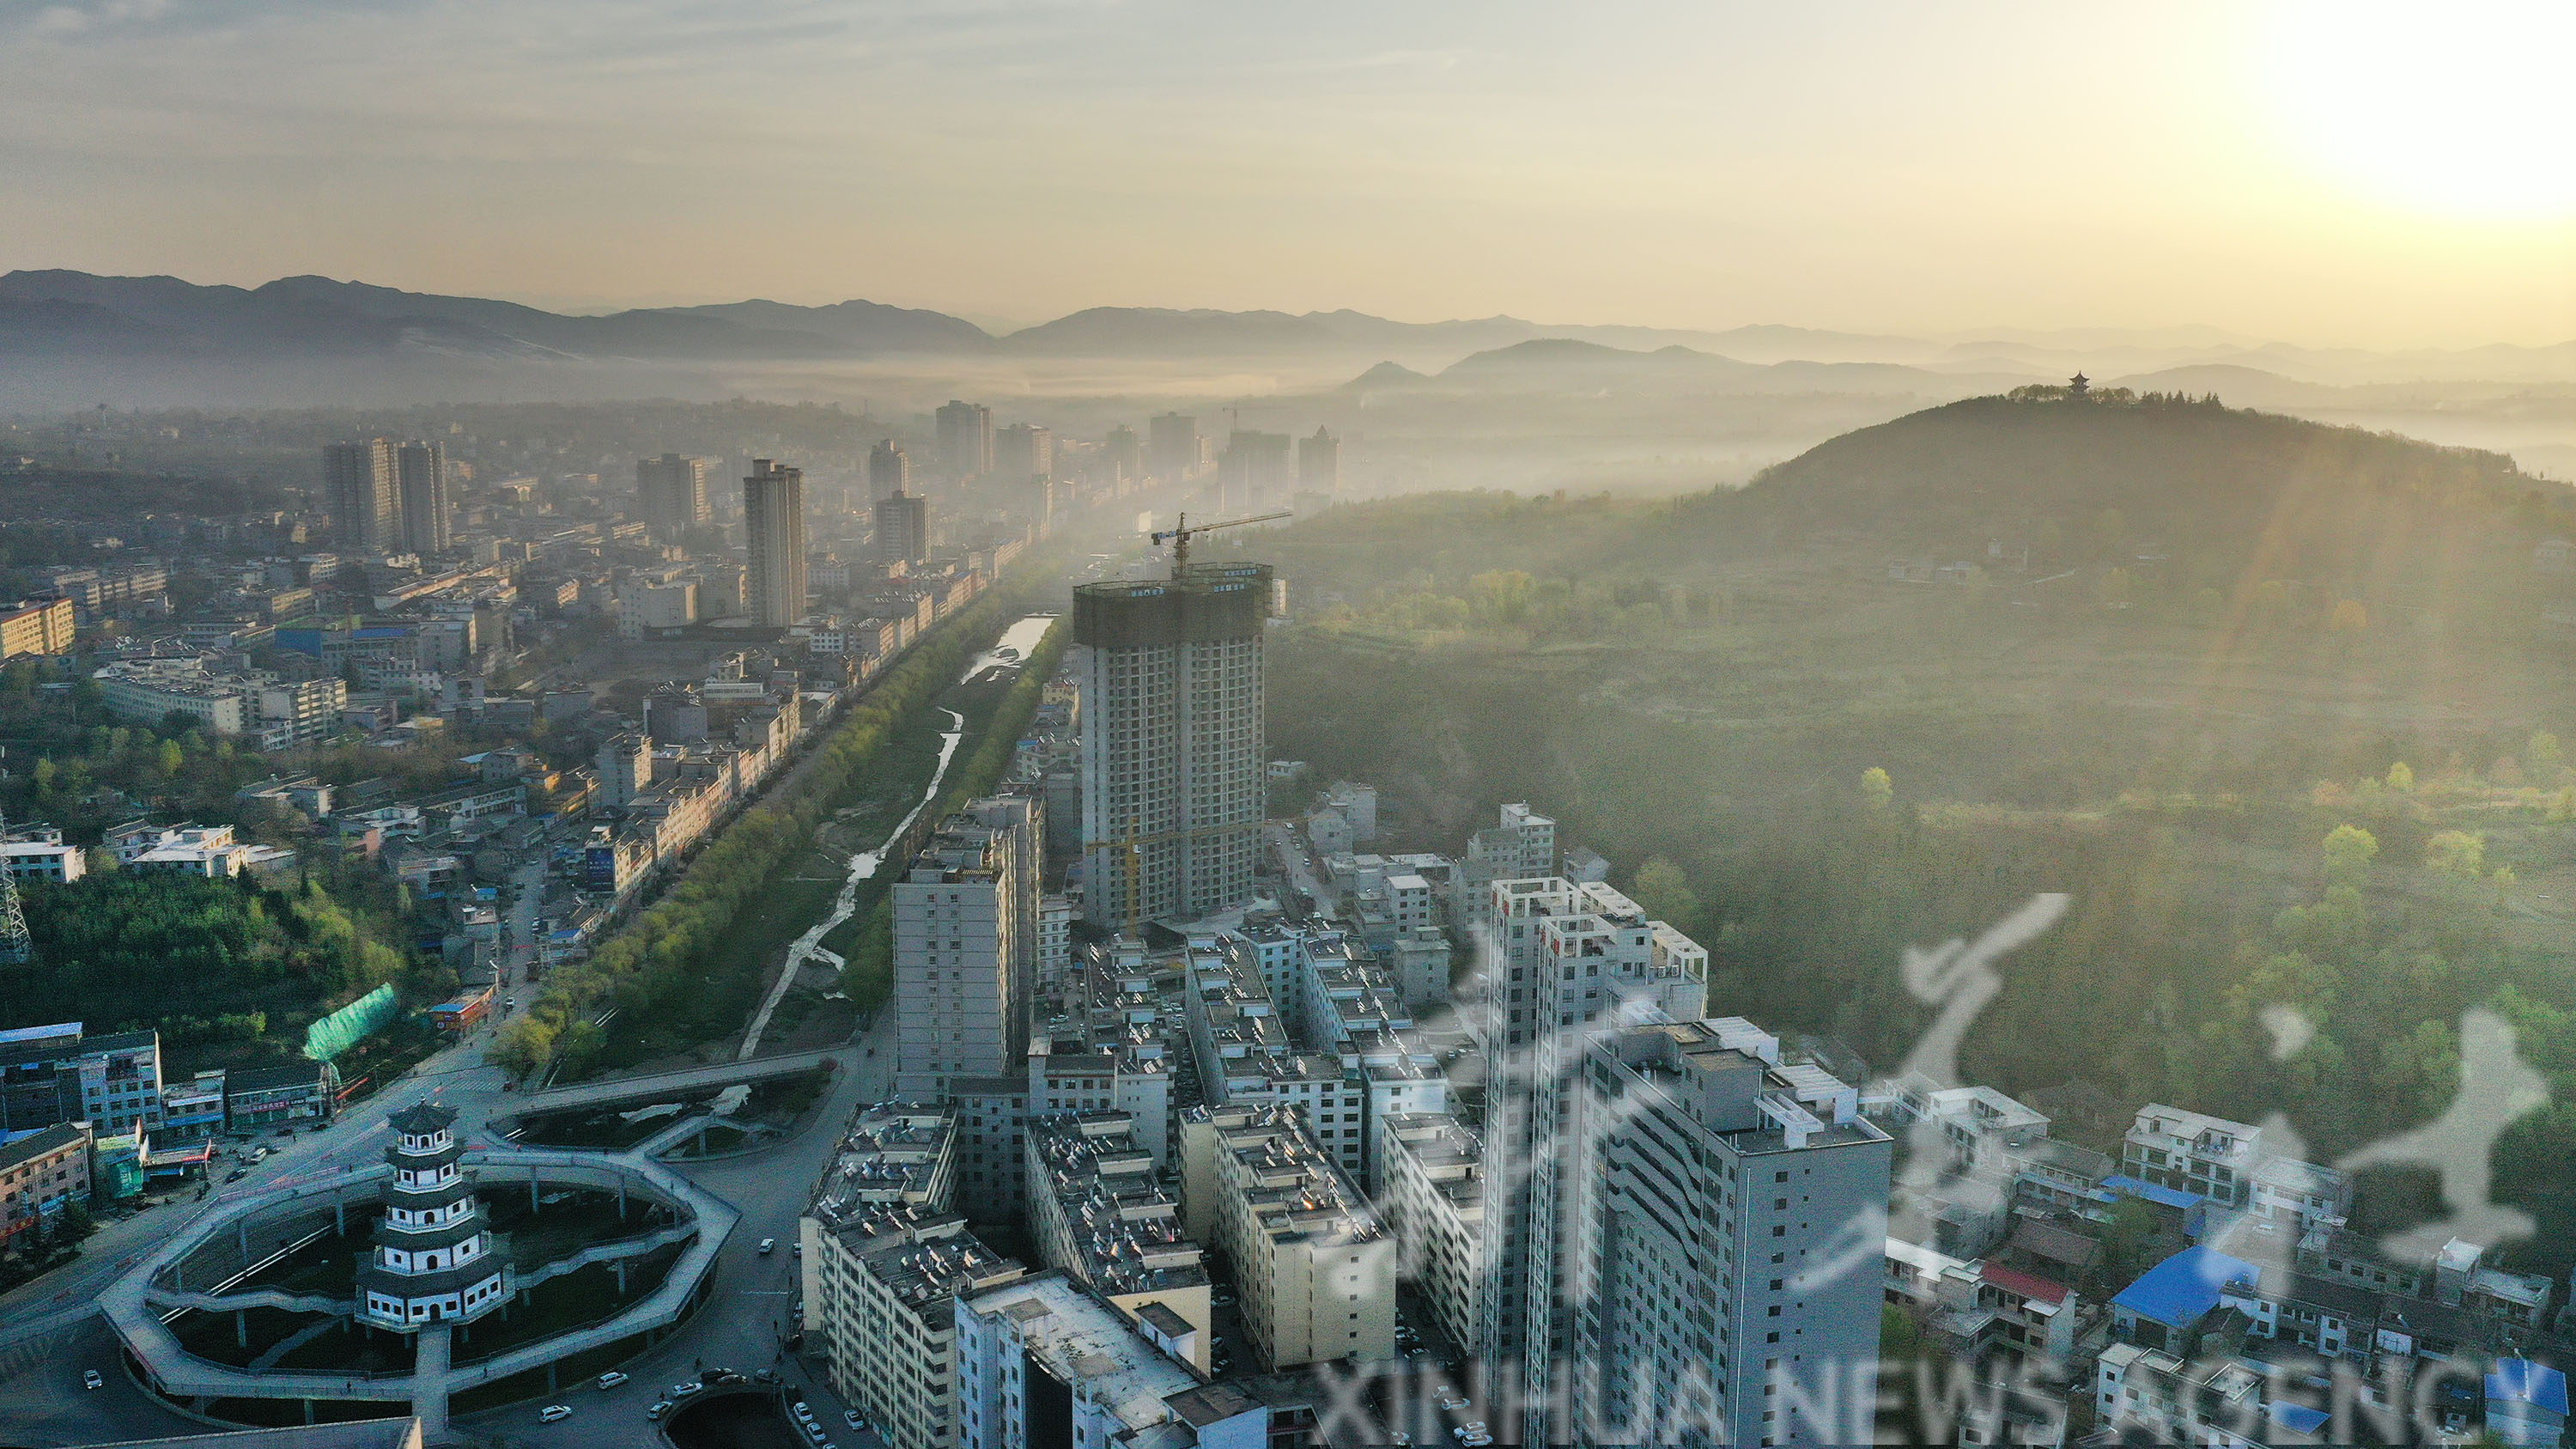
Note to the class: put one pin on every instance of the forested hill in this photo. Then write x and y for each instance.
(2220, 490)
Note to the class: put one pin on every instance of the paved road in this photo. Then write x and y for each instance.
(1290, 853)
(754, 1305)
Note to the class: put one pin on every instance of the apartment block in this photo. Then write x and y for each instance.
(36, 626)
(1040, 1361)
(1719, 1196)
(120, 1074)
(1315, 1268)
(965, 947)
(1432, 1193)
(1558, 957)
(892, 1154)
(1100, 1210)
(880, 1292)
(1172, 741)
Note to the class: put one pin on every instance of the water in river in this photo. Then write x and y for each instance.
(1009, 650)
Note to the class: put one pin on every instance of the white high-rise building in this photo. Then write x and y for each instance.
(420, 476)
(1022, 451)
(366, 496)
(1522, 846)
(671, 492)
(773, 516)
(1560, 957)
(965, 947)
(1729, 1221)
(965, 432)
(1172, 735)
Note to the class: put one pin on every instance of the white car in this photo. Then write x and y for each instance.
(858, 1423)
(1453, 1402)
(768, 1246)
(554, 1413)
(90, 1379)
(813, 1431)
(804, 1415)
(682, 1391)
(611, 1379)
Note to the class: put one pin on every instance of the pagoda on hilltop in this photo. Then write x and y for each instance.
(434, 1261)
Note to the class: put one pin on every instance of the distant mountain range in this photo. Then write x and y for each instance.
(111, 321)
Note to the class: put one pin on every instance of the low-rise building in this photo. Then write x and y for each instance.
(147, 691)
(42, 1173)
(119, 1074)
(37, 853)
(262, 1098)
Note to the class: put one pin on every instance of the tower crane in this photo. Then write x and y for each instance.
(1181, 533)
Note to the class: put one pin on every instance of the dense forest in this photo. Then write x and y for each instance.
(212, 963)
(2278, 704)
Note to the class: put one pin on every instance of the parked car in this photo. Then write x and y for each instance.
(554, 1413)
(658, 1409)
(682, 1391)
(768, 1246)
(611, 1379)
(765, 1376)
(813, 1431)
(1453, 1402)
(90, 1379)
(237, 1174)
(851, 1417)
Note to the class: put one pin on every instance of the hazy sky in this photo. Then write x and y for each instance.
(2344, 172)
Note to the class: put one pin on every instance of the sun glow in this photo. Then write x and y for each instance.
(2458, 108)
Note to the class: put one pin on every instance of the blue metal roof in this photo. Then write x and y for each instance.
(2177, 1291)
(2521, 1380)
(2172, 1197)
(2298, 1418)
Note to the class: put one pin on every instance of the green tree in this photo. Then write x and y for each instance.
(1876, 789)
(2457, 854)
(1665, 893)
(2349, 851)
(2126, 1237)
(2401, 776)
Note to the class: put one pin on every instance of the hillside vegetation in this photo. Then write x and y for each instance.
(2175, 651)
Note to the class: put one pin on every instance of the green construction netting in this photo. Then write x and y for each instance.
(350, 1025)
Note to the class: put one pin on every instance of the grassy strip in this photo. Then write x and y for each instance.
(661, 964)
(866, 941)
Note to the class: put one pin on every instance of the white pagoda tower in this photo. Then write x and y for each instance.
(434, 1262)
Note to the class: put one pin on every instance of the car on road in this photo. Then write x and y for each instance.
(237, 1174)
(1453, 1402)
(90, 1379)
(682, 1391)
(804, 1415)
(768, 1246)
(554, 1413)
(658, 1409)
(1222, 1298)
(611, 1379)
(857, 1422)
(813, 1431)
(765, 1376)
